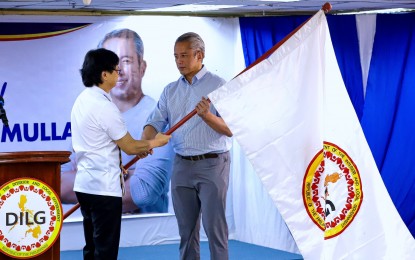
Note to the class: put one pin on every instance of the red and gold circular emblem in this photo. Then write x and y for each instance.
(30, 218)
(332, 190)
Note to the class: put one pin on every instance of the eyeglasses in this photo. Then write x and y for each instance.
(118, 71)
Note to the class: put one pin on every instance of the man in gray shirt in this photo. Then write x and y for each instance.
(201, 166)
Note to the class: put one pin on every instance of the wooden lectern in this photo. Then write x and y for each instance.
(44, 166)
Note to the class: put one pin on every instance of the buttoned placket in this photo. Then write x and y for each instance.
(123, 171)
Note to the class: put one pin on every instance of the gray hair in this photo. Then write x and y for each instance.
(196, 42)
(126, 34)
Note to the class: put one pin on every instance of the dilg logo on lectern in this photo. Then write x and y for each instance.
(30, 218)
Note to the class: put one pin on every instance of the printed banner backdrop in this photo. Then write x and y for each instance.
(40, 68)
(42, 74)
(313, 157)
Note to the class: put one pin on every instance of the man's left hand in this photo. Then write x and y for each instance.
(203, 107)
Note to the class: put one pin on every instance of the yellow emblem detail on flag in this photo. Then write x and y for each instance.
(332, 190)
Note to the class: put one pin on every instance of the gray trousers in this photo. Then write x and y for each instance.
(199, 188)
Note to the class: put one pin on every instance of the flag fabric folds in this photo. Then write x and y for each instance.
(294, 120)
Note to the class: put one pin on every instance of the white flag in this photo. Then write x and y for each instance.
(293, 118)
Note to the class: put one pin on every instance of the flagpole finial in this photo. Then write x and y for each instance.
(326, 7)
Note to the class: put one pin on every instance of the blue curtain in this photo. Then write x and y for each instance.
(386, 112)
(259, 34)
(343, 33)
(389, 112)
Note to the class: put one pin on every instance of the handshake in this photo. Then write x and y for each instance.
(159, 140)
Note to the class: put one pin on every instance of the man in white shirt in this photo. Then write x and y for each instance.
(147, 184)
(98, 136)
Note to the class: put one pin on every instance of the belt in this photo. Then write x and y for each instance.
(200, 157)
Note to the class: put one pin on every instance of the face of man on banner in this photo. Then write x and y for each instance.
(132, 67)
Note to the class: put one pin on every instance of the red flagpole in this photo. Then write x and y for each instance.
(326, 8)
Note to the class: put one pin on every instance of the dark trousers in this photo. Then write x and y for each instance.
(102, 225)
(199, 195)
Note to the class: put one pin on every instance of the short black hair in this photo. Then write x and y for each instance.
(95, 62)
